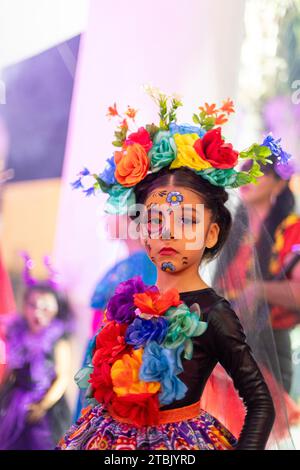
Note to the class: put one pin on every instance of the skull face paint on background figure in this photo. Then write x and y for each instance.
(39, 309)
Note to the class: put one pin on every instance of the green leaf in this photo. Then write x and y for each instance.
(101, 184)
(196, 119)
(152, 129)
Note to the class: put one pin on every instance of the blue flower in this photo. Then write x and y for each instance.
(78, 183)
(276, 149)
(273, 145)
(185, 129)
(141, 331)
(174, 198)
(162, 365)
(108, 174)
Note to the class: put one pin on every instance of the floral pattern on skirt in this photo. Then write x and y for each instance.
(97, 430)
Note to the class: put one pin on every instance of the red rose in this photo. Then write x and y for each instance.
(213, 149)
(101, 382)
(141, 409)
(141, 137)
(110, 343)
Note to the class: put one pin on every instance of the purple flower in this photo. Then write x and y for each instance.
(108, 174)
(285, 170)
(141, 331)
(121, 307)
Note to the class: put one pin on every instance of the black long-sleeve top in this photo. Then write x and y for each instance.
(224, 341)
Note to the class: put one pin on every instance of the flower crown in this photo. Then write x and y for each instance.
(199, 147)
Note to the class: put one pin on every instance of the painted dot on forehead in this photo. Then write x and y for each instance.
(174, 198)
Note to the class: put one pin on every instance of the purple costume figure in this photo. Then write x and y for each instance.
(33, 410)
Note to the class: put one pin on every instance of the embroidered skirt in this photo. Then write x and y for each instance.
(187, 428)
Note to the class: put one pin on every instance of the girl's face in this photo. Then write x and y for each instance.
(176, 228)
(39, 310)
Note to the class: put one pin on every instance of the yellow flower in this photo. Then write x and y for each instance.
(186, 154)
(125, 375)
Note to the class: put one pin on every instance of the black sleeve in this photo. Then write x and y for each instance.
(235, 355)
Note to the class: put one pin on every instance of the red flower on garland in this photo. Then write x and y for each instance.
(141, 409)
(141, 137)
(101, 383)
(155, 303)
(110, 343)
(213, 149)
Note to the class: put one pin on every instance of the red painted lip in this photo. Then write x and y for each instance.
(167, 251)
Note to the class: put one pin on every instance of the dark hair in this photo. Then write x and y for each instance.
(64, 310)
(214, 199)
(284, 205)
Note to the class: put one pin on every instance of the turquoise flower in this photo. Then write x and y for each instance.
(163, 150)
(219, 177)
(183, 325)
(120, 199)
(162, 365)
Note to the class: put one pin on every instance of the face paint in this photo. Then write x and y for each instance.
(174, 198)
(147, 246)
(168, 266)
(157, 194)
(185, 260)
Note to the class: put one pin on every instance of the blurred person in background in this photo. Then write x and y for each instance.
(7, 301)
(33, 408)
(274, 227)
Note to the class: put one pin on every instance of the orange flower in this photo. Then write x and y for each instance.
(112, 111)
(221, 119)
(228, 106)
(131, 112)
(208, 108)
(124, 124)
(125, 375)
(154, 303)
(132, 165)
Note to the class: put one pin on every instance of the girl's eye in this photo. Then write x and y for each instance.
(186, 221)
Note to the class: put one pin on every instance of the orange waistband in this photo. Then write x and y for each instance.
(168, 416)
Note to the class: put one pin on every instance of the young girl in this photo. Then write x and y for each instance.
(33, 409)
(160, 344)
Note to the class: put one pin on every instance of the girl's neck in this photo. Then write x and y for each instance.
(183, 281)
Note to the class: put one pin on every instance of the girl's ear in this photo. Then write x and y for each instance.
(212, 235)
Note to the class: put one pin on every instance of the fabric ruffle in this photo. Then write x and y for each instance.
(97, 430)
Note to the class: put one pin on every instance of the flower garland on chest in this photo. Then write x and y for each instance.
(137, 355)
